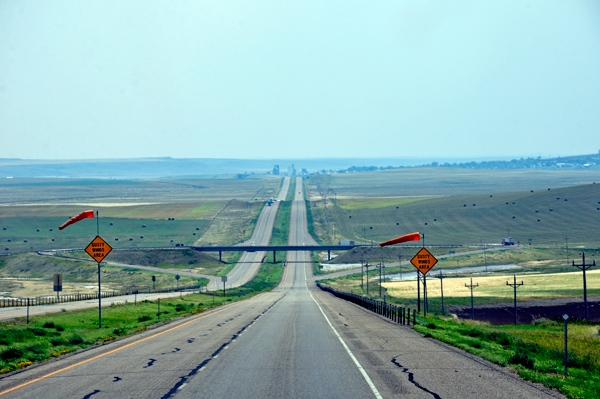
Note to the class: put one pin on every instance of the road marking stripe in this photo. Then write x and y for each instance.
(360, 368)
(122, 347)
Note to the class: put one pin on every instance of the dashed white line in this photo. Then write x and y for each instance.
(360, 368)
(182, 385)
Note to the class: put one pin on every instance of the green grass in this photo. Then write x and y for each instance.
(471, 219)
(536, 352)
(51, 336)
(282, 224)
(371, 203)
(309, 215)
(123, 233)
(291, 194)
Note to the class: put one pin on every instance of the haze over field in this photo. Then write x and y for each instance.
(85, 80)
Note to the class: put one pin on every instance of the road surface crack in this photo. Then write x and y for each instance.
(411, 379)
(150, 363)
(116, 379)
(89, 395)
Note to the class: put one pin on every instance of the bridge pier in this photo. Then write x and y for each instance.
(329, 254)
(219, 256)
(274, 257)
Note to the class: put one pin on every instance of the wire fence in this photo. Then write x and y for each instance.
(51, 300)
(398, 314)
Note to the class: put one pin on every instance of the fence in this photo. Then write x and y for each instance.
(395, 313)
(51, 300)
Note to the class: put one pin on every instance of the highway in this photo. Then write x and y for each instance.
(249, 263)
(293, 342)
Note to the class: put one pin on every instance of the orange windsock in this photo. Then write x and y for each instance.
(405, 238)
(77, 218)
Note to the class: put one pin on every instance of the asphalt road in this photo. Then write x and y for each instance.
(293, 342)
(250, 262)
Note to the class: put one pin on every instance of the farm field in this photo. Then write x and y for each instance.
(118, 232)
(438, 181)
(492, 287)
(113, 191)
(543, 216)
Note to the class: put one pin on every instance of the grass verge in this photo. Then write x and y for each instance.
(53, 335)
(535, 352)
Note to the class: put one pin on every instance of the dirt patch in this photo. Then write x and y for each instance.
(527, 312)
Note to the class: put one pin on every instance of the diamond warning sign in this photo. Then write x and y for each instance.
(423, 261)
(98, 249)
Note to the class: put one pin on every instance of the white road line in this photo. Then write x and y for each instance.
(360, 368)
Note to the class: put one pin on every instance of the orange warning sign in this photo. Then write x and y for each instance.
(423, 261)
(98, 249)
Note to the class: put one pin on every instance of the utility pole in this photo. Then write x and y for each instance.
(567, 245)
(515, 285)
(485, 257)
(471, 286)
(361, 273)
(400, 265)
(380, 267)
(584, 267)
(442, 276)
(367, 266)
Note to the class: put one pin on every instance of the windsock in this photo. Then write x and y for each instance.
(77, 218)
(405, 238)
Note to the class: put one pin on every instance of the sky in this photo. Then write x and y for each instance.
(282, 79)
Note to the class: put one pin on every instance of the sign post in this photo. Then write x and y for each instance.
(423, 261)
(224, 280)
(98, 249)
(57, 283)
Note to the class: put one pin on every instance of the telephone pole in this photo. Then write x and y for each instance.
(367, 266)
(442, 276)
(515, 285)
(584, 267)
(471, 286)
(567, 245)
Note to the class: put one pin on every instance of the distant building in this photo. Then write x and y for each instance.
(276, 170)
(291, 170)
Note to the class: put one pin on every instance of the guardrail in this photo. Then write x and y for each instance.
(51, 300)
(398, 314)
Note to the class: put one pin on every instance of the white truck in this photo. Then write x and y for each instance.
(508, 241)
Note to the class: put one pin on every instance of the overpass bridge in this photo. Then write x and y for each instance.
(275, 248)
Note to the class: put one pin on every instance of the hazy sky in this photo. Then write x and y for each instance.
(254, 79)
